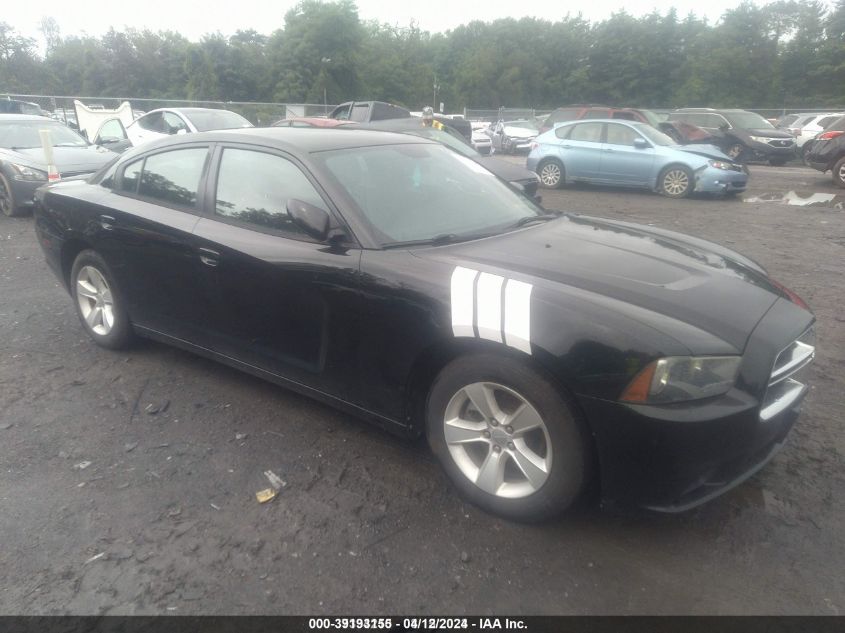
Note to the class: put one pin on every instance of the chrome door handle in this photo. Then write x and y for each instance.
(209, 257)
(107, 222)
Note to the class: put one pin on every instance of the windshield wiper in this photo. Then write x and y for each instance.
(528, 219)
(437, 240)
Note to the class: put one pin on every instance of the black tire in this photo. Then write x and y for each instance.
(805, 153)
(838, 172)
(671, 179)
(119, 334)
(735, 151)
(551, 163)
(569, 451)
(7, 199)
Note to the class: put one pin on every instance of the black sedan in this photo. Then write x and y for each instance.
(401, 282)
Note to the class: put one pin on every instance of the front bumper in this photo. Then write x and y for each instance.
(764, 151)
(712, 180)
(674, 457)
(24, 192)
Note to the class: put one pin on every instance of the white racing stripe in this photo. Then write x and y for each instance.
(477, 305)
(463, 313)
(518, 315)
(489, 294)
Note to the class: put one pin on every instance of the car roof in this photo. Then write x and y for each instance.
(296, 139)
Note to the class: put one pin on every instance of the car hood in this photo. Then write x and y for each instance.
(478, 135)
(708, 151)
(504, 170)
(520, 132)
(68, 159)
(691, 280)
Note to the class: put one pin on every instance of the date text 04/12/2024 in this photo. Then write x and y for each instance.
(416, 624)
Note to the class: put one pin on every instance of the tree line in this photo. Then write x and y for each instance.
(786, 52)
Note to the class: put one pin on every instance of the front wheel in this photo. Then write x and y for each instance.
(98, 301)
(507, 437)
(675, 182)
(7, 198)
(839, 172)
(551, 174)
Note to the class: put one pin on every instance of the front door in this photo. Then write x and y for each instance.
(283, 302)
(621, 162)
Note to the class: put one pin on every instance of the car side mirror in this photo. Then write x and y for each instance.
(641, 143)
(310, 218)
(181, 130)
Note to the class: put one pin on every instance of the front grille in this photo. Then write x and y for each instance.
(784, 390)
(776, 142)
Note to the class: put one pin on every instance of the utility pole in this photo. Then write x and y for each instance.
(434, 96)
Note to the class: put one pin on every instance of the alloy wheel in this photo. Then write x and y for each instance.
(96, 302)
(676, 182)
(841, 172)
(550, 175)
(5, 199)
(498, 440)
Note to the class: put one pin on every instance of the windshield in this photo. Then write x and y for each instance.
(747, 120)
(205, 120)
(655, 136)
(24, 134)
(419, 192)
(445, 137)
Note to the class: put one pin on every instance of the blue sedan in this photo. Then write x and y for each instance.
(631, 154)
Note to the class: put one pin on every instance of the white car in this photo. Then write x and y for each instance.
(481, 141)
(510, 137)
(165, 122)
(811, 126)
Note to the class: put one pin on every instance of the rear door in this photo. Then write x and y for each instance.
(580, 149)
(621, 162)
(147, 236)
(282, 302)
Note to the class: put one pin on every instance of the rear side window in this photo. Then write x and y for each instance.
(174, 176)
(131, 176)
(152, 122)
(825, 121)
(589, 132)
(255, 187)
(838, 125)
(620, 135)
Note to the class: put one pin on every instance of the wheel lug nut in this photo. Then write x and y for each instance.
(494, 422)
(486, 434)
(510, 445)
(497, 448)
(509, 429)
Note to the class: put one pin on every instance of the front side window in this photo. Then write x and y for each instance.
(748, 121)
(173, 176)
(620, 135)
(588, 132)
(558, 116)
(112, 130)
(255, 187)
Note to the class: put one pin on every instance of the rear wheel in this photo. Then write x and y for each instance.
(839, 172)
(507, 437)
(551, 173)
(7, 198)
(98, 301)
(805, 153)
(676, 181)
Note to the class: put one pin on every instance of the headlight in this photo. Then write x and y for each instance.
(720, 164)
(760, 139)
(681, 378)
(22, 172)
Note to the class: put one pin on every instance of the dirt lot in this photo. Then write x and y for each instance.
(164, 519)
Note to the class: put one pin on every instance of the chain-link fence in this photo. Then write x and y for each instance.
(491, 114)
(62, 108)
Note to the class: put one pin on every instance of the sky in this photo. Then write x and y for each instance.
(194, 19)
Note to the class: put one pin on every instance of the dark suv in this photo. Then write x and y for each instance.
(828, 151)
(742, 135)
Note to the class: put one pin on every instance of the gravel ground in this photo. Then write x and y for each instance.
(128, 479)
